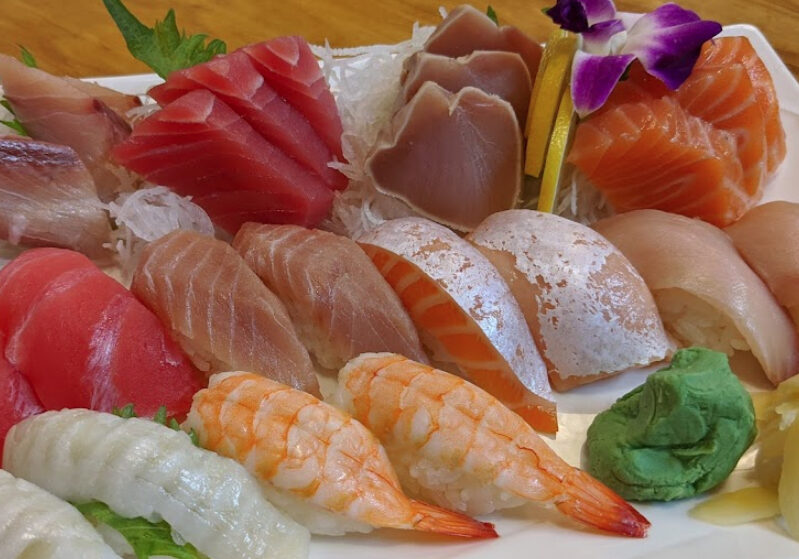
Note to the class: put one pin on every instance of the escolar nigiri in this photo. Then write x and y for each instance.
(316, 462)
(458, 446)
(37, 525)
(142, 469)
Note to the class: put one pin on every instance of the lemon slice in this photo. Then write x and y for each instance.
(550, 81)
(738, 507)
(559, 142)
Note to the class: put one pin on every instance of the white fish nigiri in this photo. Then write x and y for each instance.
(37, 525)
(142, 469)
(705, 292)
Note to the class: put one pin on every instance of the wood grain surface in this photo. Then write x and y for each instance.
(77, 37)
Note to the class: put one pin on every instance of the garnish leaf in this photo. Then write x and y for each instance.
(125, 412)
(163, 48)
(492, 15)
(27, 58)
(146, 538)
(161, 418)
(15, 125)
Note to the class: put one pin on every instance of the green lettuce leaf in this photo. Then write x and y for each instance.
(163, 48)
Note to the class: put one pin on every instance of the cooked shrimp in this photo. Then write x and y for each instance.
(316, 462)
(458, 446)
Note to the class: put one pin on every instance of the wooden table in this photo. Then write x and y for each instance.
(77, 37)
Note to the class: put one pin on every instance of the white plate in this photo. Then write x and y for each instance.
(530, 532)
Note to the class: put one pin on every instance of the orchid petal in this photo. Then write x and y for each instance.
(594, 77)
(668, 41)
(597, 39)
(579, 15)
(599, 10)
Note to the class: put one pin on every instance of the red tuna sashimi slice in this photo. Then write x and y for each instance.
(83, 340)
(199, 146)
(234, 80)
(17, 400)
(53, 110)
(289, 66)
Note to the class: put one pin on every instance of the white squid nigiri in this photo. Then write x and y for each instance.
(705, 292)
(37, 525)
(142, 469)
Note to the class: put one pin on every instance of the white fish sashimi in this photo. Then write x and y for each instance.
(37, 525)
(142, 469)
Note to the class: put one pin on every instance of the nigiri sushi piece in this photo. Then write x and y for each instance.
(200, 147)
(588, 309)
(458, 446)
(314, 461)
(37, 525)
(222, 314)
(766, 238)
(234, 80)
(340, 304)
(142, 469)
(465, 313)
(17, 400)
(80, 339)
(706, 294)
(48, 198)
(53, 110)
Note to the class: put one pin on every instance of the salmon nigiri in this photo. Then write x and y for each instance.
(458, 446)
(339, 302)
(465, 313)
(217, 308)
(316, 462)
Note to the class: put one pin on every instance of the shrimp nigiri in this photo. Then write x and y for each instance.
(316, 462)
(458, 446)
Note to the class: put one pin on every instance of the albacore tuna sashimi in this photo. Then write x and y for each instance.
(199, 146)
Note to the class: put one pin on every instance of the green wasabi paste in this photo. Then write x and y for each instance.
(679, 434)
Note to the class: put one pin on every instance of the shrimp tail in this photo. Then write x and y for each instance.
(591, 502)
(430, 518)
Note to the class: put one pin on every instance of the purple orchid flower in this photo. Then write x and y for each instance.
(667, 41)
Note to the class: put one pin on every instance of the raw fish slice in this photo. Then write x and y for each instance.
(653, 154)
(455, 158)
(499, 73)
(766, 236)
(118, 102)
(38, 525)
(705, 292)
(288, 65)
(142, 469)
(339, 302)
(457, 445)
(464, 312)
(82, 340)
(53, 110)
(589, 311)
(234, 80)
(321, 466)
(467, 29)
(220, 312)
(17, 401)
(48, 198)
(199, 147)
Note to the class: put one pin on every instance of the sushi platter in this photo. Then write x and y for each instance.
(529, 530)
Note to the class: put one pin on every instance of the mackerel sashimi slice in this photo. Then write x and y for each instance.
(234, 80)
(465, 313)
(198, 146)
(83, 341)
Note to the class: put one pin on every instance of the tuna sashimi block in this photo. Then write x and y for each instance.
(81, 340)
(198, 146)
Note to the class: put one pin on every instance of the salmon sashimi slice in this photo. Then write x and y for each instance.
(290, 68)
(465, 313)
(17, 399)
(48, 198)
(224, 317)
(55, 111)
(766, 238)
(236, 82)
(706, 294)
(653, 154)
(589, 311)
(458, 446)
(81, 340)
(200, 147)
(313, 460)
(338, 301)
